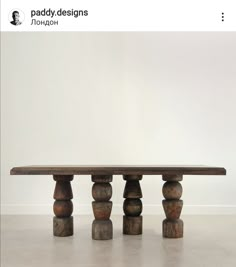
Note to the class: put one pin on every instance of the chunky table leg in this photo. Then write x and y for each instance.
(172, 226)
(102, 228)
(132, 221)
(63, 206)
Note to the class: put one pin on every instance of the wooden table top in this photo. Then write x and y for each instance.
(117, 170)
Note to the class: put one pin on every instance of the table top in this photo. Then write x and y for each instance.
(117, 170)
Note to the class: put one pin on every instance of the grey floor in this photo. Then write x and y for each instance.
(28, 241)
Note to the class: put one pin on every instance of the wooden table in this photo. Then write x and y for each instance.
(172, 226)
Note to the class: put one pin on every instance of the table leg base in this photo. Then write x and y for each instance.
(63, 226)
(173, 228)
(132, 225)
(102, 230)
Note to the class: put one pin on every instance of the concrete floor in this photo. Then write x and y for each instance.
(208, 241)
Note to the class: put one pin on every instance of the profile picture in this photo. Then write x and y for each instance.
(16, 17)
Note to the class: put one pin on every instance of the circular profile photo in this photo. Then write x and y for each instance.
(16, 17)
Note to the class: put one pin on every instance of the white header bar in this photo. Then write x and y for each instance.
(122, 15)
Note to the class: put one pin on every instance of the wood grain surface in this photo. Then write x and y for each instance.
(117, 169)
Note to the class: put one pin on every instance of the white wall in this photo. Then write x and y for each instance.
(118, 98)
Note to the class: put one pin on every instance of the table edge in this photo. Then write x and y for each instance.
(204, 170)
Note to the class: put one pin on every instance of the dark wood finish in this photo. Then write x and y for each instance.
(132, 207)
(102, 178)
(118, 169)
(134, 177)
(172, 226)
(172, 208)
(172, 177)
(172, 190)
(63, 178)
(132, 221)
(102, 210)
(102, 228)
(63, 191)
(63, 206)
(132, 190)
(132, 225)
(63, 226)
(102, 191)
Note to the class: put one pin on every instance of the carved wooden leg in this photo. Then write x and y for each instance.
(63, 206)
(132, 221)
(172, 226)
(102, 191)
